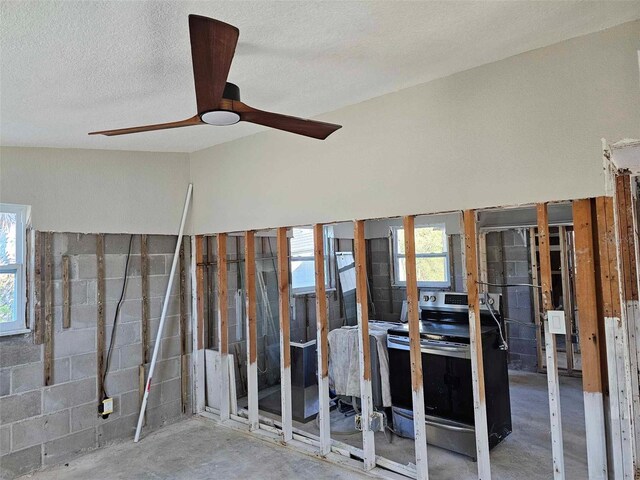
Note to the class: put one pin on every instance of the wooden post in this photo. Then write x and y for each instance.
(322, 341)
(252, 328)
(550, 343)
(285, 349)
(38, 327)
(567, 303)
(589, 340)
(200, 289)
(415, 355)
(223, 328)
(368, 442)
(48, 310)
(101, 320)
(144, 273)
(197, 308)
(184, 372)
(626, 238)
(66, 293)
(536, 298)
(475, 338)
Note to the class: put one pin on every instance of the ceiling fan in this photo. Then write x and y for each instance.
(213, 44)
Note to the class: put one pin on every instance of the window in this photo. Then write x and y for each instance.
(12, 298)
(432, 256)
(303, 271)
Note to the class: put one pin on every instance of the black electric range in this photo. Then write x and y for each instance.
(446, 365)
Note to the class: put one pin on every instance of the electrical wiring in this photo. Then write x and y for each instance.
(115, 320)
(504, 345)
(508, 285)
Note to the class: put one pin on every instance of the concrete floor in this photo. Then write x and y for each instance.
(192, 450)
(197, 449)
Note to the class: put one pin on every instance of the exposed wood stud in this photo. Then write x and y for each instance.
(28, 276)
(197, 354)
(364, 357)
(252, 328)
(48, 310)
(553, 383)
(322, 342)
(144, 323)
(589, 340)
(223, 327)
(477, 364)
(567, 301)
(100, 333)
(282, 248)
(66, 293)
(184, 374)
(536, 298)
(38, 327)
(200, 290)
(482, 260)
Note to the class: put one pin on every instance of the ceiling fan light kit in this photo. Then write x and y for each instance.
(213, 44)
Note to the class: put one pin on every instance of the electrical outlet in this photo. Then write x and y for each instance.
(106, 407)
(378, 421)
(555, 320)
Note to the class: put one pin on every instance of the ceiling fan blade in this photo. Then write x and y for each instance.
(195, 120)
(300, 126)
(213, 44)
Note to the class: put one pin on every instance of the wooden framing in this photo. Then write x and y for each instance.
(48, 310)
(415, 354)
(553, 382)
(477, 363)
(586, 298)
(322, 342)
(66, 293)
(282, 248)
(38, 327)
(536, 298)
(482, 260)
(362, 306)
(184, 369)
(567, 301)
(144, 277)
(252, 328)
(197, 308)
(223, 327)
(100, 333)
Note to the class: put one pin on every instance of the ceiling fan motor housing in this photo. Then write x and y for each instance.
(224, 117)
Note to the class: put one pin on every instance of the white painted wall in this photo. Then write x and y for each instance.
(520, 130)
(91, 191)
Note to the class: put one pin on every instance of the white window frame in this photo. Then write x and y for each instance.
(19, 269)
(445, 254)
(327, 254)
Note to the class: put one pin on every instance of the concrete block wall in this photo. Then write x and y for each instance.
(388, 298)
(41, 426)
(508, 262)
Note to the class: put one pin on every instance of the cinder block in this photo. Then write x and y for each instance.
(123, 427)
(162, 244)
(166, 370)
(21, 462)
(18, 351)
(126, 334)
(74, 342)
(84, 267)
(5, 381)
(83, 316)
(122, 381)
(5, 439)
(86, 416)
(83, 366)
(78, 244)
(171, 390)
(64, 449)
(165, 413)
(67, 395)
(130, 403)
(78, 292)
(113, 289)
(18, 407)
(130, 355)
(130, 311)
(35, 431)
(170, 347)
(27, 377)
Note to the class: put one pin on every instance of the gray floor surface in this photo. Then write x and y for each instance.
(197, 449)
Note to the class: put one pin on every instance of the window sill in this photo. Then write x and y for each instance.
(15, 332)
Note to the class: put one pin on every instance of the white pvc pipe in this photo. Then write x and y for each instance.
(156, 347)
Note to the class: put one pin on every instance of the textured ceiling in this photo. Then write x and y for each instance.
(68, 68)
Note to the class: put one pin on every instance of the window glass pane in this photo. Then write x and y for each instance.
(302, 242)
(400, 241)
(7, 297)
(430, 240)
(431, 269)
(401, 274)
(303, 274)
(7, 238)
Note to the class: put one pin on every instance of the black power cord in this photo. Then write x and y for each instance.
(115, 320)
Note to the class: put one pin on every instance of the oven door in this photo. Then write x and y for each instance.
(446, 375)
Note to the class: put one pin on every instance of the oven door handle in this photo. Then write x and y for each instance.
(401, 343)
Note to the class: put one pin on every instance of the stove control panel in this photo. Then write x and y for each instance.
(456, 302)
